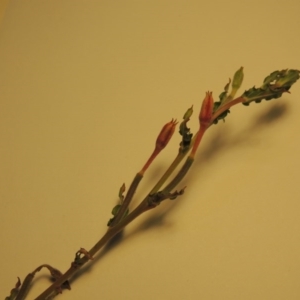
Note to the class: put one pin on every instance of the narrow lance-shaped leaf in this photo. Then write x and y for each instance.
(237, 81)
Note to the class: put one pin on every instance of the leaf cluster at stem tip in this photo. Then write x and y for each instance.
(273, 87)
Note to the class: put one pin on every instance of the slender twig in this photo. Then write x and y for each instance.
(111, 232)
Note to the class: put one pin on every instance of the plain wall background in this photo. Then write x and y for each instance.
(85, 87)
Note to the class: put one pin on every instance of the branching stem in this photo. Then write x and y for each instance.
(274, 86)
(111, 232)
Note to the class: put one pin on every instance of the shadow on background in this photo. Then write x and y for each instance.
(223, 141)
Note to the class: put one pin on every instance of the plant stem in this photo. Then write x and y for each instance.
(25, 287)
(111, 232)
(226, 106)
(184, 169)
(169, 171)
(138, 177)
(142, 207)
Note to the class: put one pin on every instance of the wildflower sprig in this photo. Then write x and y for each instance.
(273, 87)
(211, 112)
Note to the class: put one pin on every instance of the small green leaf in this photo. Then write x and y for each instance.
(223, 115)
(235, 85)
(115, 209)
(237, 79)
(287, 78)
(185, 131)
(121, 192)
(270, 79)
(114, 212)
(223, 95)
(188, 113)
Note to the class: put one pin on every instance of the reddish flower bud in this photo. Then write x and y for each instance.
(205, 117)
(206, 111)
(165, 135)
(161, 142)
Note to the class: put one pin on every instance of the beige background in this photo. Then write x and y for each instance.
(85, 88)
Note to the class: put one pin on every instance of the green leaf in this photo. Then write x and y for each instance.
(273, 87)
(223, 95)
(270, 78)
(115, 209)
(237, 79)
(185, 131)
(121, 192)
(223, 115)
(114, 212)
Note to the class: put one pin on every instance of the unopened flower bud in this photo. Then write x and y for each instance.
(238, 79)
(206, 110)
(165, 135)
(161, 142)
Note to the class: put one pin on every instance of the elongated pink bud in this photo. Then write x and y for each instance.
(206, 110)
(205, 117)
(161, 142)
(165, 135)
